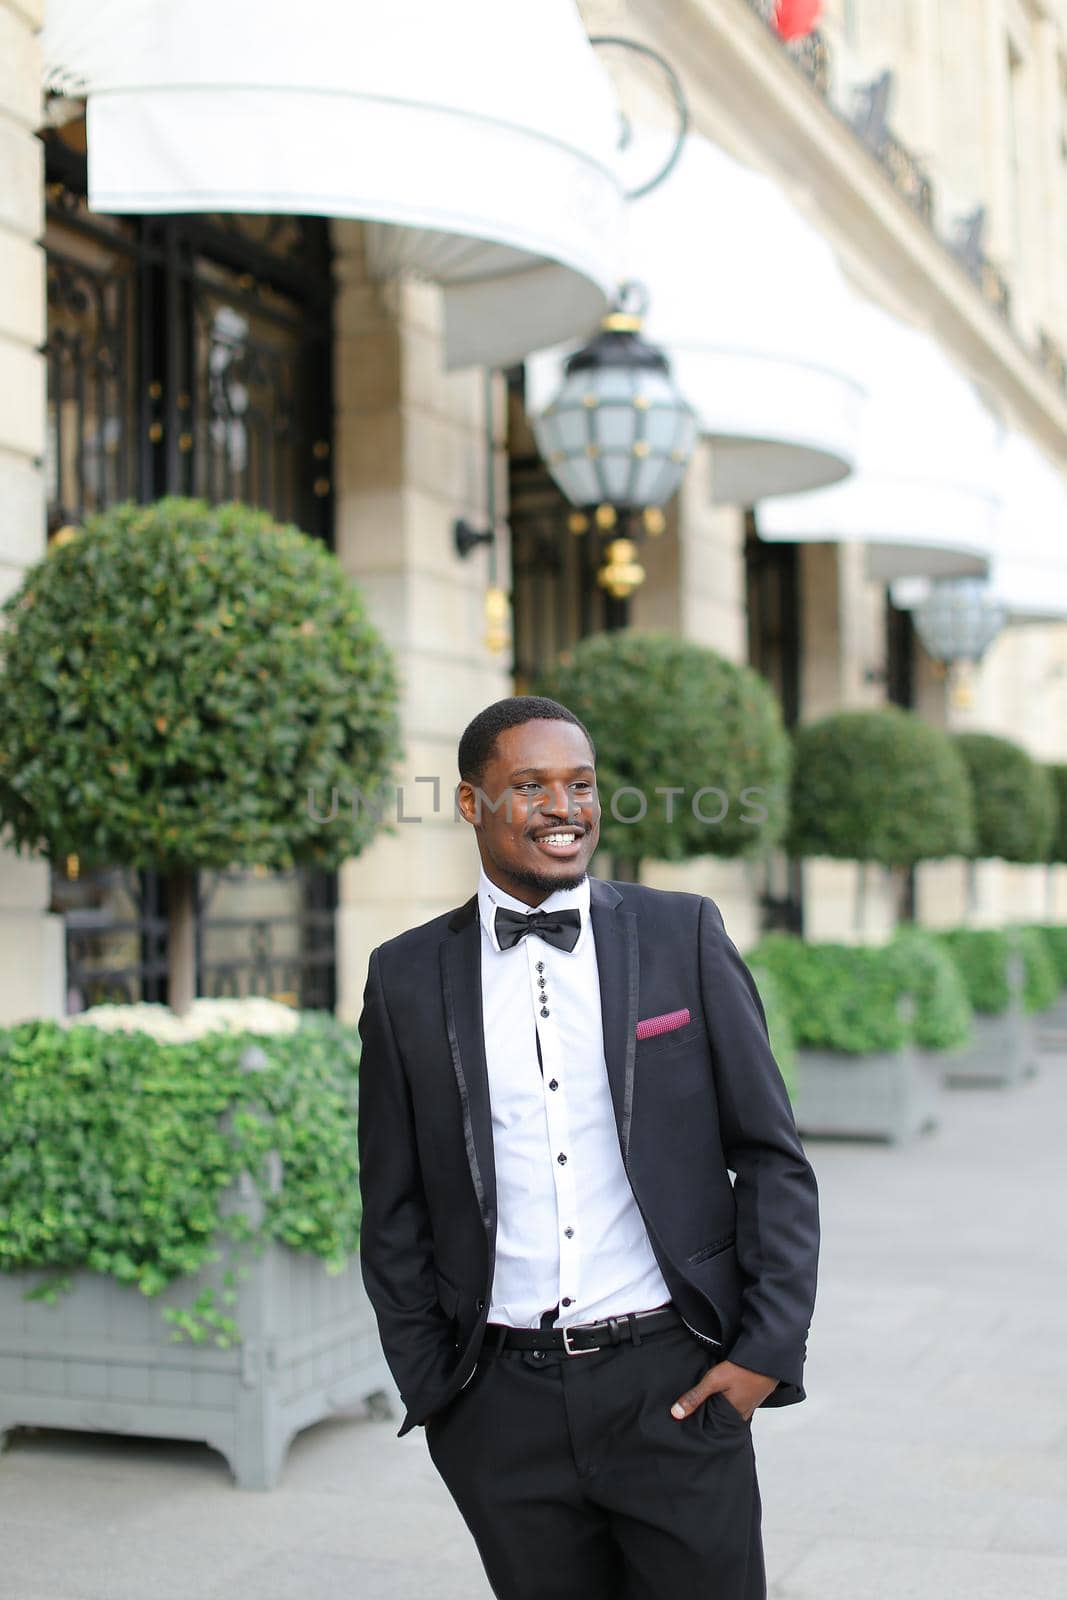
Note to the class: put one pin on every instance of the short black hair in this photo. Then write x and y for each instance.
(478, 743)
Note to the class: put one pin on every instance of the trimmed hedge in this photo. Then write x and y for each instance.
(666, 714)
(943, 1012)
(845, 997)
(1055, 937)
(779, 1025)
(981, 954)
(1057, 850)
(1014, 799)
(878, 786)
(1041, 984)
(115, 1149)
(839, 997)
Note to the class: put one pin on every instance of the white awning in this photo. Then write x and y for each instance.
(751, 308)
(476, 136)
(924, 497)
(1029, 570)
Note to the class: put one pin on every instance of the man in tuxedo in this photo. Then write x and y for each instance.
(557, 1081)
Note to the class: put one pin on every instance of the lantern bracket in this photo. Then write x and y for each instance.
(467, 538)
(677, 94)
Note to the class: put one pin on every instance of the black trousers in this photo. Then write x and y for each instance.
(577, 1483)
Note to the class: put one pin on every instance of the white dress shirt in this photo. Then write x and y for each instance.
(569, 1230)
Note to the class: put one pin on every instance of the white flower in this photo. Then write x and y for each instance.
(251, 1015)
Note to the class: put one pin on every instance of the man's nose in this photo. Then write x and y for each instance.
(559, 802)
(556, 799)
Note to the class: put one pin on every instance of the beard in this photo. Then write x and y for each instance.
(544, 882)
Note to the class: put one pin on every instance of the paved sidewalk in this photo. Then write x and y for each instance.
(929, 1463)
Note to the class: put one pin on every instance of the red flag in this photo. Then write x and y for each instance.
(795, 18)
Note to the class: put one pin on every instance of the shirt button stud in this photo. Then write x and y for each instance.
(544, 1011)
(566, 1301)
(552, 1084)
(562, 1159)
(540, 966)
(569, 1232)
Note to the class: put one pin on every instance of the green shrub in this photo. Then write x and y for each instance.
(667, 714)
(779, 1026)
(839, 997)
(1057, 850)
(115, 1150)
(943, 1012)
(1041, 985)
(878, 786)
(982, 956)
(1055, 936)
(1014, 799)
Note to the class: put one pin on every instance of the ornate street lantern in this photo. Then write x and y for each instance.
(618, 436)
(957, 622)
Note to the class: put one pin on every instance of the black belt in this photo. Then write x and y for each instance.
(581, 1338)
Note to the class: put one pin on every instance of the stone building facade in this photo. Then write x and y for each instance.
(956, 222)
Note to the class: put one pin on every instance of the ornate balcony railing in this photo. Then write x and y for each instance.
(868, 120)
(1052, 358)
(968, 246)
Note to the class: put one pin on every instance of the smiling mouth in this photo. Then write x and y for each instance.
(560, 841)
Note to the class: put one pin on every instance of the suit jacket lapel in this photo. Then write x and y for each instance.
(461, 978)
(615, 931)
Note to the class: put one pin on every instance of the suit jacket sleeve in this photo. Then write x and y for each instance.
(396, 1243)
(775, 1192)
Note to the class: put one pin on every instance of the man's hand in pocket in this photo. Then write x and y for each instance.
(744, 1389)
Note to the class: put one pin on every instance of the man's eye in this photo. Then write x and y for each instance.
(535, 786)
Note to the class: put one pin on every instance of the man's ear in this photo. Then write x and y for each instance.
(467, 802)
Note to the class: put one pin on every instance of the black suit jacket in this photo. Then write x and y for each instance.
(739, 1259)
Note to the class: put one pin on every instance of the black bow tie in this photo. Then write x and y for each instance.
(560, 928)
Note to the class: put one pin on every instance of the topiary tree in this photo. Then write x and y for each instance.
(692, 758)
(879, 786)
(1057, 850)
(186, 687)
(1014, 799)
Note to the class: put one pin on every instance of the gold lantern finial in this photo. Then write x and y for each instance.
(497, 612)
(621, 573)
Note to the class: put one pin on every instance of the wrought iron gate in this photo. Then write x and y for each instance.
(188, 355)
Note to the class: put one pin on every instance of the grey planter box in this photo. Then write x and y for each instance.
(1004, 1051)
(890, 1095)
(101, 1359)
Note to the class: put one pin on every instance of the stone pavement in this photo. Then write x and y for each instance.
(929, 1462)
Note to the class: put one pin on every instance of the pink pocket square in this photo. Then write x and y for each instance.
(651, 1026)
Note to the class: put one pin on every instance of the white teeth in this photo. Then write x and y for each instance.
(557, 838)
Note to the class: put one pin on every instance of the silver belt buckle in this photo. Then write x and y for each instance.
(566, 1332)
